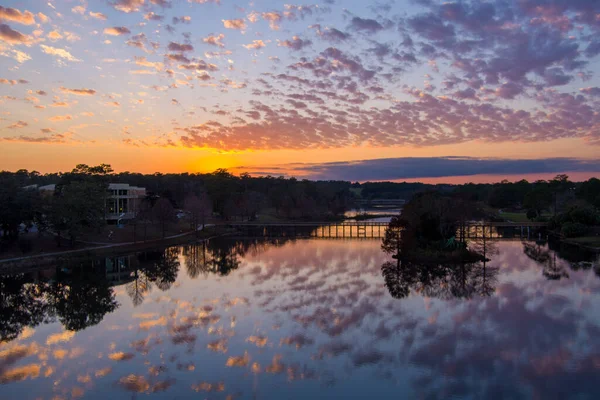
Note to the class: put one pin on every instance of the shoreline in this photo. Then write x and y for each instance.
(20, 264)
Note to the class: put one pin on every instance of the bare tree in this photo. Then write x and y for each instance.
(164, 213)
(199, 208)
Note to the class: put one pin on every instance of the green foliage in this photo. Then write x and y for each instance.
(577, 215)
(573, 229)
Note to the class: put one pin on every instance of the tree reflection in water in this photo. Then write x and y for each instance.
(415, 269)
(553, 267)
(223, 256)
(77, 297)
(80, 296)
(444, 281)
(21, 304)
(80, 299)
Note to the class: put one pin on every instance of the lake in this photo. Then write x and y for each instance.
(303, 319)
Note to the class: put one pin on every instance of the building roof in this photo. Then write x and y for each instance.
(126, 186)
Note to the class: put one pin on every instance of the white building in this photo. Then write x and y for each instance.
(123, 201)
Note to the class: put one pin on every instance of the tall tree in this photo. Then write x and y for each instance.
(77, 207)
(164, 213)
(199, 209)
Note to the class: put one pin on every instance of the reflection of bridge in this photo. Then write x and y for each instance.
(376, 230)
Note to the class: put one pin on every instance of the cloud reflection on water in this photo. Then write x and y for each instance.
(321, 311)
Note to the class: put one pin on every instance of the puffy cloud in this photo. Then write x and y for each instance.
(78, 10)
(296, 43)
(127, 6)
(365, 25)
(61, 53)
(180, 47)
(117, 31)
(78, 92)
(331, 34)
(215, 40)
(43, 17)
(12, 36)
(58, 118)
(274, 19)
(592, 91)
(153, 17)
(182, 20)
(55, 35)
(98, 15)
(12, 81)
(18, 125)
(255, 45)
(145, 63)
(14, 15)
(238, 24)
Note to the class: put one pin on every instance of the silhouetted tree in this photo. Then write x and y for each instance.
(81, 299)
(164, 213)
(199, 209)
(22, 304)
(164, 268)
(77, 207)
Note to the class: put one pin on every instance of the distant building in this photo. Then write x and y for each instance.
(123, 201)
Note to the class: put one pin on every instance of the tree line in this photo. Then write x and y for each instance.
(78, 204)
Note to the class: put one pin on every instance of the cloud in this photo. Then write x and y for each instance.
(365, 25)
(58, 118)
(180, 47)
(12, 81)
(52, 139)
(62, 53)
(255, 45)
(331, 34)
(78, 92)
(78, 10)
(182, 20)
(54, 35)
(592, 91)
(153, 17)
(274, 19)
(435, 167)
(127, 6)
(145, 63)
(18, 125)
(12, 36)
(296, 43)
(238, 24)
(117, 31)
(98, 15)
(215, 40)
(14, 15)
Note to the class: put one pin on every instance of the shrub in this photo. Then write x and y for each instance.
(573, 229)
(584, 215)
(532, 214)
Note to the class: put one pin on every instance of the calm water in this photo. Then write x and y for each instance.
(303, 319)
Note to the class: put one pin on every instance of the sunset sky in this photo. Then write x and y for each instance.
(357, 90)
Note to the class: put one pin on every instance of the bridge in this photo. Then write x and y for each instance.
(375, 230)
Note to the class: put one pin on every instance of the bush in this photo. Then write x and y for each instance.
(573, 229)
(584, 215)
(532, 214)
